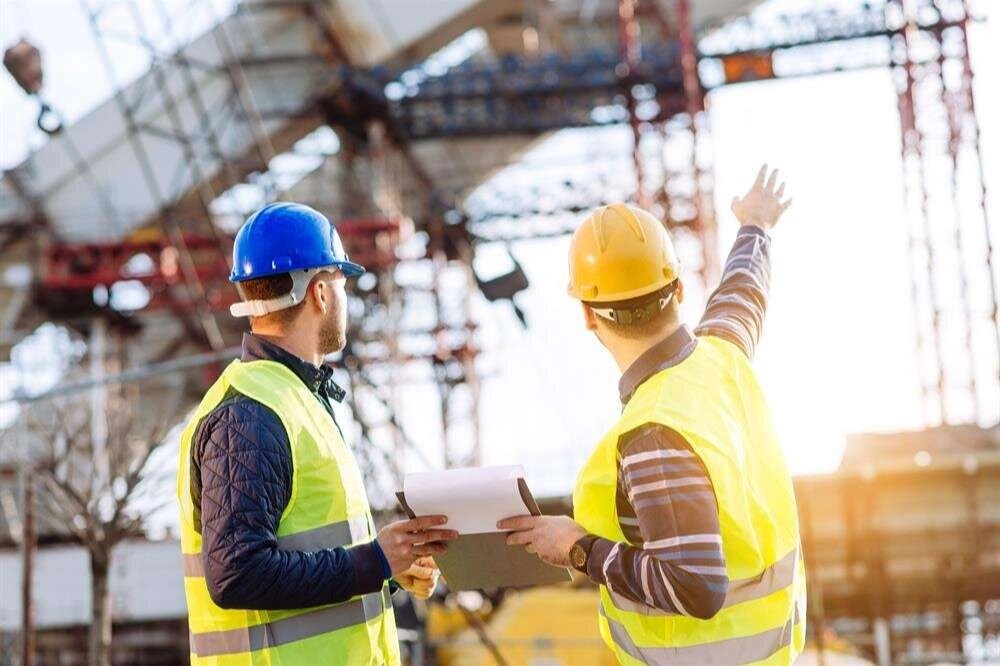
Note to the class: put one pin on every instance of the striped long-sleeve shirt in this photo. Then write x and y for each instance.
(673, 559)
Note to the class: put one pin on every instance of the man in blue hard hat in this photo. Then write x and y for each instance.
(282, 563)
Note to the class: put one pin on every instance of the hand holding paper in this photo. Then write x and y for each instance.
(549, 537)
(474, 501)
(404, 541)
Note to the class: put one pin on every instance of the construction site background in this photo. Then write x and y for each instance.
(457, 143)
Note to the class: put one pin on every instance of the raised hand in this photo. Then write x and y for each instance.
(761, 206)
(406, 540)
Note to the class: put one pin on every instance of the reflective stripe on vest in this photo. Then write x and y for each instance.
(776, 577)
(289, 630)
(740, 650)
(342, 533)
(712, 399)
(327, 508)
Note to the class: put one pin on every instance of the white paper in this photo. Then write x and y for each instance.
(474, 499)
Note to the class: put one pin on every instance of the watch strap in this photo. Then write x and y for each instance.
(585, 543)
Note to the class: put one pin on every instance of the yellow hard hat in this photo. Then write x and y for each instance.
(620, 252)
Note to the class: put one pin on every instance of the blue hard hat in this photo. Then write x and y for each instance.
(283, 237)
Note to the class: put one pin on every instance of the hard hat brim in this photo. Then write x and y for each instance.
(350, 269)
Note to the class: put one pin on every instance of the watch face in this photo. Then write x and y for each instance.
(577, 556)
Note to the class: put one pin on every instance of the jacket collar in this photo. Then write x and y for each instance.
(666, 353)
(317, 379)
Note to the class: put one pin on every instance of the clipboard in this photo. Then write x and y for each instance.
(483, 560)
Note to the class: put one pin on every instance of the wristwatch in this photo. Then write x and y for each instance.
(580, 551)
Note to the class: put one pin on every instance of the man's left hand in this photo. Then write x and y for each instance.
(420, 579)
(549, 537)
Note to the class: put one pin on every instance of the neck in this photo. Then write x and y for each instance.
(626, 351)
(297, 342)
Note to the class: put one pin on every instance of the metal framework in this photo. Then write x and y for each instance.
(380, 112)
(413, 314)
(653, 86)
(190, 143)
(183, 259)
(941, 157)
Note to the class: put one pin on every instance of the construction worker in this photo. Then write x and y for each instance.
(282, 564)
(684, 513)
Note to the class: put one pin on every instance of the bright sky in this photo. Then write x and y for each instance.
(838, 349)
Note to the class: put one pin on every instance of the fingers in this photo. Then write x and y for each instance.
(518, 523)
(430, 535)
(769, 187)
(759, 182)
(428, 549)
(427, 562)
(420, 573)
(422, 590)
(784, 206)
(780, 191)
(422, 523)
(519, 538)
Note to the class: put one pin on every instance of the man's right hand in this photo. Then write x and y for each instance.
(761, 206)
(406, 540)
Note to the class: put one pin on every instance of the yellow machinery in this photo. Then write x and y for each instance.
(554, 626)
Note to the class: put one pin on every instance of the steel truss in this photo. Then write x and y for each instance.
(950, 245)
(190, 254)
(656, 89)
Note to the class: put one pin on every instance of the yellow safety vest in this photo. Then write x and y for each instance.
(328, 508)
(711, 398)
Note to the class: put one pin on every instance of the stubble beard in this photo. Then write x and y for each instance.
(333, 334)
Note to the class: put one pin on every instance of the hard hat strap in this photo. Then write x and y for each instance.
(636, 314)
(259, 308)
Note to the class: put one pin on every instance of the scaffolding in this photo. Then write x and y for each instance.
(413, 316)
(943, 174)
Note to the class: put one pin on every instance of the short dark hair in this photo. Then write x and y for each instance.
(641, 317)
(266, 288)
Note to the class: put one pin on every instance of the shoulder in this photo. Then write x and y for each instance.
(651, 437)
(721, 343)
(654, 457)
(241, 418)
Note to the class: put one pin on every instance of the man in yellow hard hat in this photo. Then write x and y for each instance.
(684, 512)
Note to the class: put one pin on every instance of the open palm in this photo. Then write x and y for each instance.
(761, 205)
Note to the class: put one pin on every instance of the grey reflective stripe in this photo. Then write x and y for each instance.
(291, 629)
(342, 533)
(741, 650)
(778, 576)
(193, 566)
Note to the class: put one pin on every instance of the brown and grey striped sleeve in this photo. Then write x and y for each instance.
(735, 310)
(672, 559)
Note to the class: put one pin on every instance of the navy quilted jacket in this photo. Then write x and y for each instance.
(241, 482)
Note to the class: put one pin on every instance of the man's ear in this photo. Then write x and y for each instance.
(589, 318)
(321, 295)
(679, 294)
